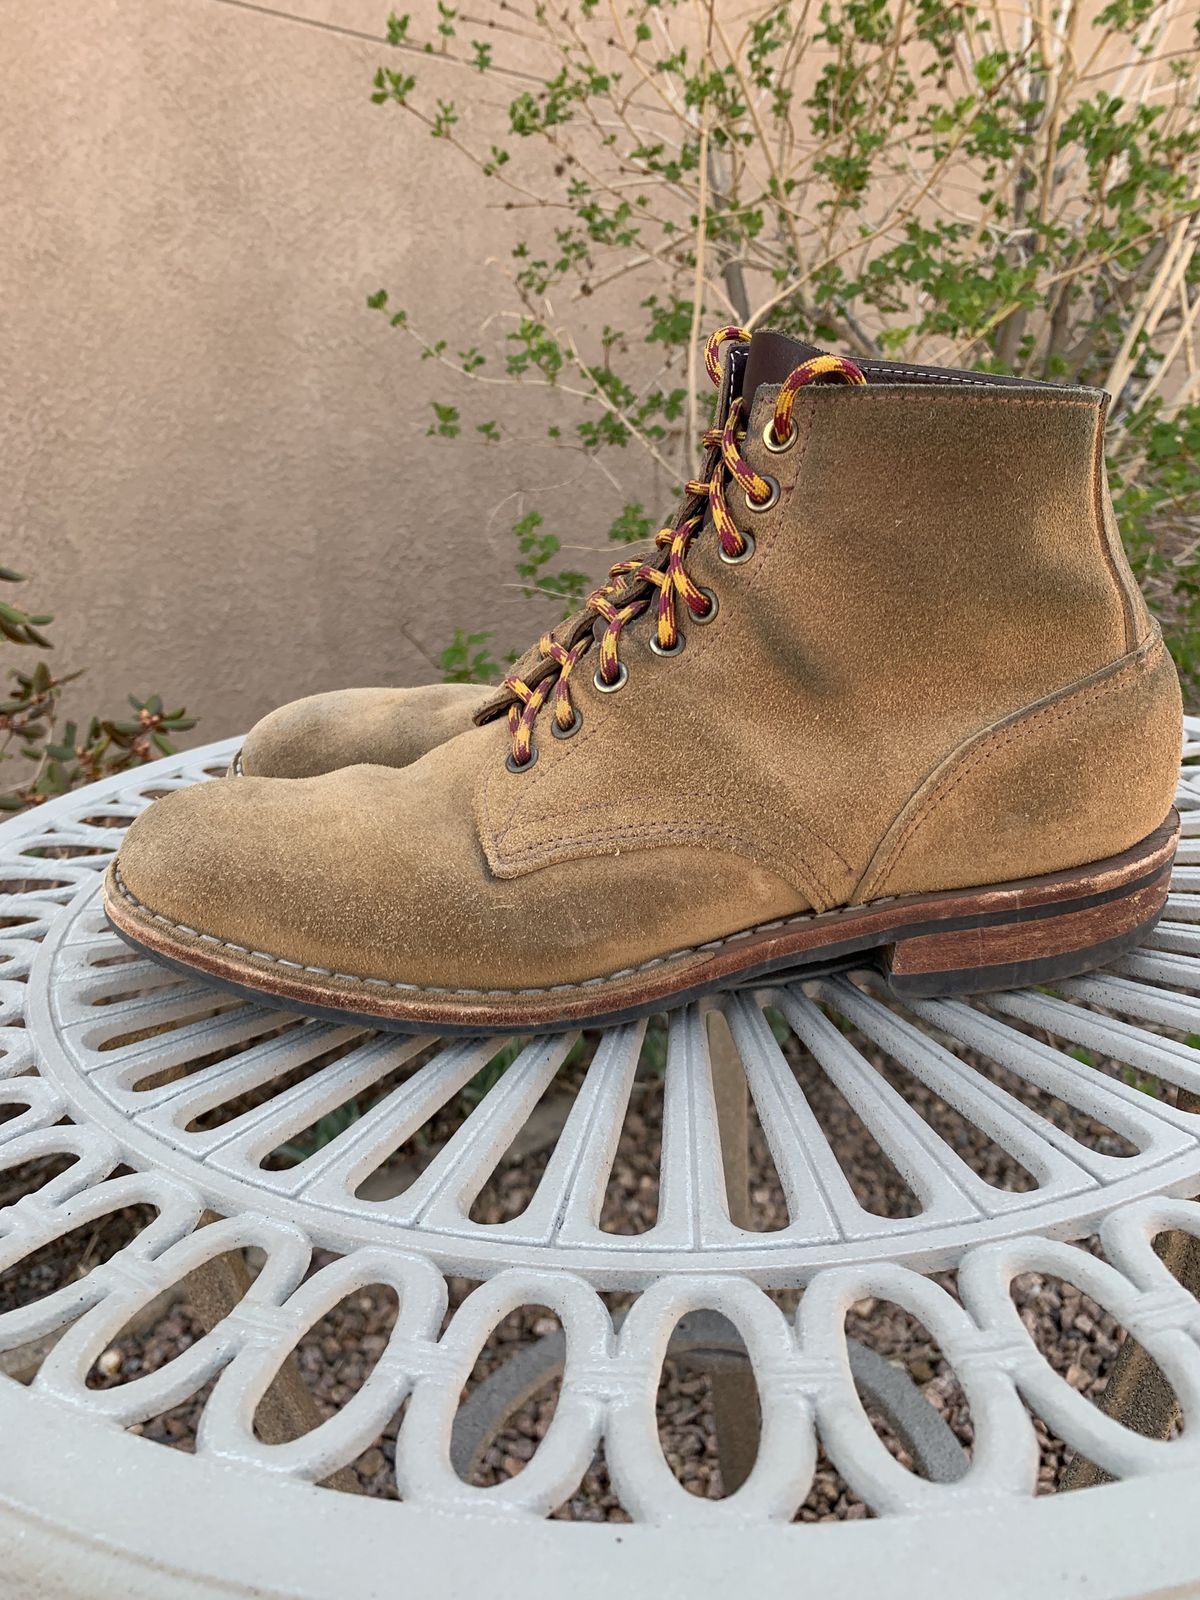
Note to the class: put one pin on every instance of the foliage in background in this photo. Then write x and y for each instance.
(1012, 187)
(51, 760)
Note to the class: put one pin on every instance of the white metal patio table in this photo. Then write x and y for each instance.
(114, 1063)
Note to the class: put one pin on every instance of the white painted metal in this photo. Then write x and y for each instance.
(88, 1033)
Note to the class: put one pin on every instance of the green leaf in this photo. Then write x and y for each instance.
(446, 423)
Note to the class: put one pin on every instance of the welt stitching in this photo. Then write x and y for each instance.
(707, 948)
(1061, 711)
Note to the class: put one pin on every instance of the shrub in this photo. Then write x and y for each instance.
(1013, 188)
(54, 760)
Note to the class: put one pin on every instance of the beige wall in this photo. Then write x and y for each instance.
(211, 453)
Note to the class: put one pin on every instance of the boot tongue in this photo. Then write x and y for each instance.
(771, 357)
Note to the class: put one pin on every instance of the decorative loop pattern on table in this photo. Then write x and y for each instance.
(111, 1063)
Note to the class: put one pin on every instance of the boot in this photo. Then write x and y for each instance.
(885, 691)
(386, 727)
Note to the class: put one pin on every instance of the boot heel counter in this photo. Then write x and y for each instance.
(1082, 775)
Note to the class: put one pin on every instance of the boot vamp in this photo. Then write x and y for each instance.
(379, 874)
(348, 727)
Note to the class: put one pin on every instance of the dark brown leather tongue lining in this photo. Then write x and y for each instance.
(773, 356)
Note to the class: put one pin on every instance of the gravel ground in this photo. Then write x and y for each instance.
(339, 1352)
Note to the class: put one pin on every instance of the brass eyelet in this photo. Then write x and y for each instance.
(772, 498)
(713, 606)
(775, 445)
(658, 649)
(619, 682)
(747, 552)
(565, 733)
(522, 766)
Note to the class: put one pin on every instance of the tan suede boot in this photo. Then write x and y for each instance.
(385, 727)
(887, 687)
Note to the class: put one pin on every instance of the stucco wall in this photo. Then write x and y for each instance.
(213, 457)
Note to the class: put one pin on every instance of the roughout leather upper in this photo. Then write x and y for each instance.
(934, 672)
(379, 872)
(385, 727)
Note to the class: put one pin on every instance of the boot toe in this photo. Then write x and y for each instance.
(189, 861)
(320, 874)
(382, 727)
(305, 738)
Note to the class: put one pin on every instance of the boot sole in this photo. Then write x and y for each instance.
(960, 941)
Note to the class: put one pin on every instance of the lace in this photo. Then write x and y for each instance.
(623, 596)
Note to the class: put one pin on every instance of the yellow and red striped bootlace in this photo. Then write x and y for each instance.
(669, 576)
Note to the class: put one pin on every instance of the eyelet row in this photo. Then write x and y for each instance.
(622, 677)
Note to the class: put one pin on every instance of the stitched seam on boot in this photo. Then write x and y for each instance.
(706, 948)
(649, 798)
(857, 394)
(666, 832)
(676, 833)
(1113, 558)
(915, 372)
(993, 744)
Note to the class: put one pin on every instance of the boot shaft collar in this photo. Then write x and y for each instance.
(770, 357)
